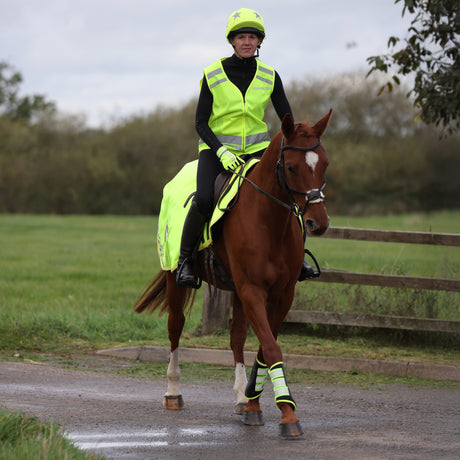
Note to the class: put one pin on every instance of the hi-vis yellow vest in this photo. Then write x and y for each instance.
(236, 121)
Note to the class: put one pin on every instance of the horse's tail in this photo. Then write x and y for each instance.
(155, 296)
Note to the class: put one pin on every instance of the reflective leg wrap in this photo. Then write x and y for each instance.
(257, 380)
(280, 387)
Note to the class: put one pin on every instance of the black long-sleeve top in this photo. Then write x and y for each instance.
(240, 72)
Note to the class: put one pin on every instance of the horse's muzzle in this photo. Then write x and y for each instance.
(315, 228)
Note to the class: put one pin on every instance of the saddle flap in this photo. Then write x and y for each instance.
(221, 182)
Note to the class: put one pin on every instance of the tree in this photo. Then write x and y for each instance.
(14, 106)
(431, 51)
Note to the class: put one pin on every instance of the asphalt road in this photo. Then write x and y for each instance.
(122, 418)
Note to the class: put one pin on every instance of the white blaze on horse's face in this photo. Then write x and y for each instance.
(312, 160)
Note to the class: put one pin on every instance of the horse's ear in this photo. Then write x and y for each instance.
(287, 125)
(321, 125)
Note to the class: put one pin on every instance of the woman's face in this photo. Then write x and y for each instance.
(245, 44)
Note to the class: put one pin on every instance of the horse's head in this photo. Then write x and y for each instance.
(301, 170)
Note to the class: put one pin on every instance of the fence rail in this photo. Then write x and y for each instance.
(380, 321)
(396, 281)
(216, 312)
(392, 236)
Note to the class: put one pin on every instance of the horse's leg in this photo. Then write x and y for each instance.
(289, 425)
(176, 319)
(254, 300)
(253, 413)
(238, 333)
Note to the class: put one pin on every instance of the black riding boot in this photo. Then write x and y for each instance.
(306, 272)
(191, 236)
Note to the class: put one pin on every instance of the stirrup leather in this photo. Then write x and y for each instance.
(307, 272)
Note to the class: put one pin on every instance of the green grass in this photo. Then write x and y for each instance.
(68, 284)
(70, 280)
(25, 437)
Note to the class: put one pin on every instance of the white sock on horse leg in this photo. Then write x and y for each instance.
(240, 383)
(173, 374)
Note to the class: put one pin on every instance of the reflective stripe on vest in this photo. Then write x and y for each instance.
(235, 142)
(236, 121)
(213, 74)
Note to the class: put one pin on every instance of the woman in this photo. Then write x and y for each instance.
(233, 97)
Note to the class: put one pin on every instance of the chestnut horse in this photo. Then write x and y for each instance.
(261, 247)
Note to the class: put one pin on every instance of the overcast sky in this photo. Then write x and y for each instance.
(111, 58)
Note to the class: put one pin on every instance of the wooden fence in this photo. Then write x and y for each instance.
(217, 310)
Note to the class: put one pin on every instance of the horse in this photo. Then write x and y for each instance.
(261, 246)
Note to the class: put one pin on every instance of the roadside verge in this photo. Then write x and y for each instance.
(317, 363)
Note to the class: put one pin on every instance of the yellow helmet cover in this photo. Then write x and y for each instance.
(245, 20)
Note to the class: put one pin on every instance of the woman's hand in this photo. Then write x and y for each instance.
(229, 161)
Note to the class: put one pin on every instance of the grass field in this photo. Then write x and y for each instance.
(68, 283)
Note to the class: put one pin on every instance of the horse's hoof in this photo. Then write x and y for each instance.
(239, 409)
(253, 418)
(173, 402)
(290, 430)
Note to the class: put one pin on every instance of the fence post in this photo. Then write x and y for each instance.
(216, 309)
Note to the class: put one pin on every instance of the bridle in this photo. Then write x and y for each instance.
(311, 196)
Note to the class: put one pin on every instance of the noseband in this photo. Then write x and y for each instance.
(311, 196)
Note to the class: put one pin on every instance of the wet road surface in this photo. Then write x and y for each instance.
(122, 418)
